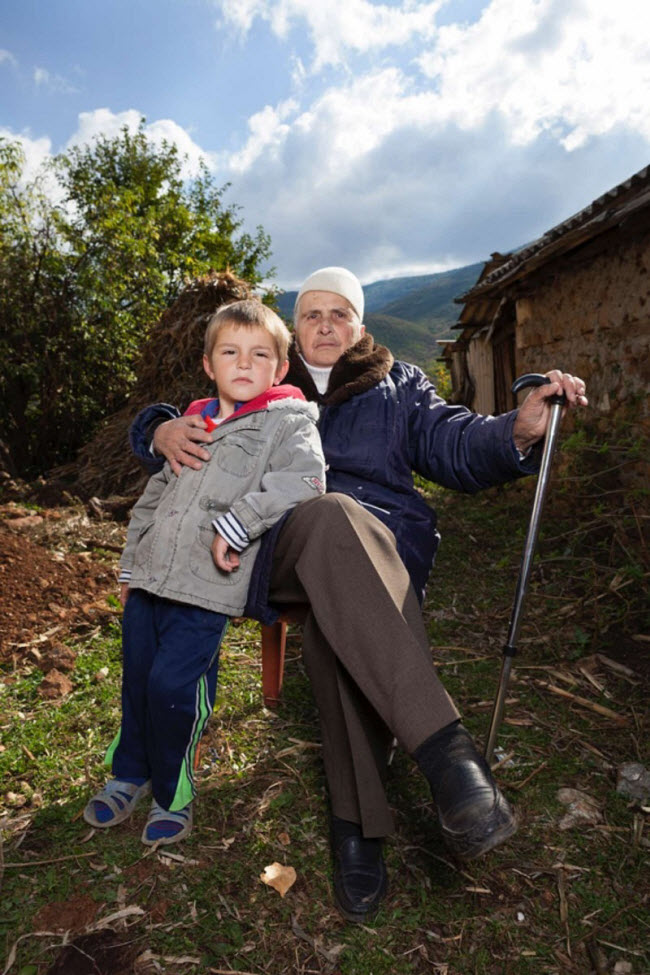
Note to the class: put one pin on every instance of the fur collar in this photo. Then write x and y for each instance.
(359, 368)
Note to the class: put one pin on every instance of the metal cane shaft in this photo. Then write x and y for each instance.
(499, 705)
(532, 534)
(524, 576)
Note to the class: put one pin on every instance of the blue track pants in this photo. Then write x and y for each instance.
(169, 682)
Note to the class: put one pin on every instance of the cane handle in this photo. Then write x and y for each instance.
(534, 379)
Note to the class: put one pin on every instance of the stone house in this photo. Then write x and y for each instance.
(577, 298)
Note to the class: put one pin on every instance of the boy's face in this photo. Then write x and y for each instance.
(243, 363)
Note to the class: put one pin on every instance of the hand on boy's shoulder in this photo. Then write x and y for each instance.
(179, 441)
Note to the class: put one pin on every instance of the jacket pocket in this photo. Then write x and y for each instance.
(239, 454)
(202, 564)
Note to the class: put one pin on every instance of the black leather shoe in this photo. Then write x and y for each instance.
(474, 815)
(359, 877)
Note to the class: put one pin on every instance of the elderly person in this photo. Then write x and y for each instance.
(360, 556)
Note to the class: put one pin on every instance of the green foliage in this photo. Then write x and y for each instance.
(83, 278)
(440, 377)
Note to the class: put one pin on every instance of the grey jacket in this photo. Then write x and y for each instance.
(262, 464)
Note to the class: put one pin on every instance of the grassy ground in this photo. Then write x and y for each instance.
(556, 899)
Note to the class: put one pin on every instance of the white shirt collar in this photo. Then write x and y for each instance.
(320, 375)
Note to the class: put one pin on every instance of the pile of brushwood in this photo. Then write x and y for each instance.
(169, 370)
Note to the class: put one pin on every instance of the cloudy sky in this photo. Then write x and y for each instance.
(395, 138)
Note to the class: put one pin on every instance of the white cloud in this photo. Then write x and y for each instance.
(104, 122)
(337, 28)
(339, 128)
(574, 68)
(402, 146)
(6, 57)
(36, 151)
(479, 142)
(53, 82)
(267, 130)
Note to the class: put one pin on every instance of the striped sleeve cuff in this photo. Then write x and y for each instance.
(231, 528)
(124, 576)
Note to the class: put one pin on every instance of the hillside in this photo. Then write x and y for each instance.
(431, 301)
(407, 340)
(409, 314)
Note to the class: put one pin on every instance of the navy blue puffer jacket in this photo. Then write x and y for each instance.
(380, 421)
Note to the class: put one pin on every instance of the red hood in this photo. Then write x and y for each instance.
(252, 406)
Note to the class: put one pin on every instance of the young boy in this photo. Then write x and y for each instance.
(188, 560)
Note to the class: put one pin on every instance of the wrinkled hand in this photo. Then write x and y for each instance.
(179, 441)
(225, 557)
(530, 425)
(124, 593)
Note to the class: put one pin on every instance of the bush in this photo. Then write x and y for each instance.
(82, 280)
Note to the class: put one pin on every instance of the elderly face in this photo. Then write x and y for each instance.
(326, 325)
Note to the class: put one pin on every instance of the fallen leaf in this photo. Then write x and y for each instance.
(284, 838)
(583, 809)
(279, 877)
(176, 857)
(131, 911)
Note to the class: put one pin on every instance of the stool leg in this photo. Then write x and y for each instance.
(274, 639)
(197, 755)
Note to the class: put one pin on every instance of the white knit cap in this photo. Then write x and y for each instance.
(339, 281)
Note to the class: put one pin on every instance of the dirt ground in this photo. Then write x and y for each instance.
(57, 568)
(58, 572)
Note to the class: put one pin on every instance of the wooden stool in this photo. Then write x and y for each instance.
(274, 641)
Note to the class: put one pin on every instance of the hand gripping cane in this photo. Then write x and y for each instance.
(557, 403)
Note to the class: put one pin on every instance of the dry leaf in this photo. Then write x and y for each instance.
(132, 911)
(284, 838)
(583, 809)
(279, 877)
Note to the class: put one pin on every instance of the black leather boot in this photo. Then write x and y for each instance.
(359, 871)
(474, 815)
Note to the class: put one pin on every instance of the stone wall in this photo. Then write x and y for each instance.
(590, 315)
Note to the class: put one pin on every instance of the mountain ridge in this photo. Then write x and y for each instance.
(410, 313)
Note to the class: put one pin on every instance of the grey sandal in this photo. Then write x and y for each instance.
(154, 832)
(120, 799)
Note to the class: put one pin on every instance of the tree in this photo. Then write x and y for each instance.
(32, 286)
(86, 270)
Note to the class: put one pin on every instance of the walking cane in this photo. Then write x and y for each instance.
(510, 649)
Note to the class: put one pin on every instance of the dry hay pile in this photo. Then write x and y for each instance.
(170, 371)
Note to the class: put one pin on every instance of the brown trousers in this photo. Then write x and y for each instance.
(365, 649)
